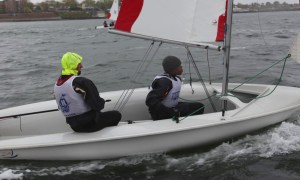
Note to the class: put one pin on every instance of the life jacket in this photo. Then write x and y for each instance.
(171, 100)
(69, 102)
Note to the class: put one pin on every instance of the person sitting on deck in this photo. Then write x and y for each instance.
(111, 23)
(78, 98)
(163, 99)
(105, 24)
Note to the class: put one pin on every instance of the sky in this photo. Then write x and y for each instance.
(235, 1)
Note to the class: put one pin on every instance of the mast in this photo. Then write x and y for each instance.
(227, 55)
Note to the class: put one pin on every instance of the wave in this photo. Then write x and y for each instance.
(42, 169)
(281, 140)
(20, 32)
(282, 36)
(253, 35)
(10, 174)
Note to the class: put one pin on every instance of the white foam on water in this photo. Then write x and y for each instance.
(282, 139)
(86, 167)
(238, 48)
(8, 174)
(83, 29)
(279, 140)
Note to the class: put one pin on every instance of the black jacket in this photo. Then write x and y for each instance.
(160, 89)
(91, 97)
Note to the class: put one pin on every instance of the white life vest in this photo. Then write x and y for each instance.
(171, 100)
(69, 102)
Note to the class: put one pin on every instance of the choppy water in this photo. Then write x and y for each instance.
(30, 55)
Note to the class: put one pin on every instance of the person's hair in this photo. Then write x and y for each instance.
(170, 62)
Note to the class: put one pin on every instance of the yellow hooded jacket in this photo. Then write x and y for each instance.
(69, 63)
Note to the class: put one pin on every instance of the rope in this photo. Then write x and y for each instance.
(259, 22)
(283, 67)
(200, 77)
(178, 120)
(146, 67)
(254, 77)
(209, 78)
(125, 92)
(125, 96)
(190, 73)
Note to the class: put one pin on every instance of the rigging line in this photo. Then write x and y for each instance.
(144, 60)
(26, 114)
(149, 62)
(190, 72)
(20, 123)
(174, 118)
(200, 77)
(208, 66)
(254, 77)
(259, 23)
(151, 59)
(130, 90)
(281, 75)
(125, 92)
(204, 106)
(199, 100)
(218, 97)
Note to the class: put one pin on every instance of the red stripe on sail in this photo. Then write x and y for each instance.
(108, 15)
(129, 12)
(221, 25)
(221, 28)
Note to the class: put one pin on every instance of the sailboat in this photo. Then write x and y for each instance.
(38, 131)
(111, 16)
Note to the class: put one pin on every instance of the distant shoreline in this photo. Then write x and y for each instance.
(53, 16)
(31, 19)
(25, 17)
(265, 10)
(42, 19)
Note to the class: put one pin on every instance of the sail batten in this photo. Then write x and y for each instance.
(190, 44)
(193, 21)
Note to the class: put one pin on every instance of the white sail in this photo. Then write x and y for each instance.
(114, 11)
(193, 21)
(295, 49)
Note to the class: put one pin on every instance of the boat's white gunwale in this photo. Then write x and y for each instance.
(191, 127)
(215, 86)
(245, 105)
(201, 121)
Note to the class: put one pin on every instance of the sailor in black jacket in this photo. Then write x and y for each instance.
(78, 98)
(163, 99)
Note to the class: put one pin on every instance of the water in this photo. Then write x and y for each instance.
(30, 55)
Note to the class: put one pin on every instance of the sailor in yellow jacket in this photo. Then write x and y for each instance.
(78, 98)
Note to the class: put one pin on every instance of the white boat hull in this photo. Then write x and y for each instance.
(102, 27)
(147, 136)
(145, 144)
